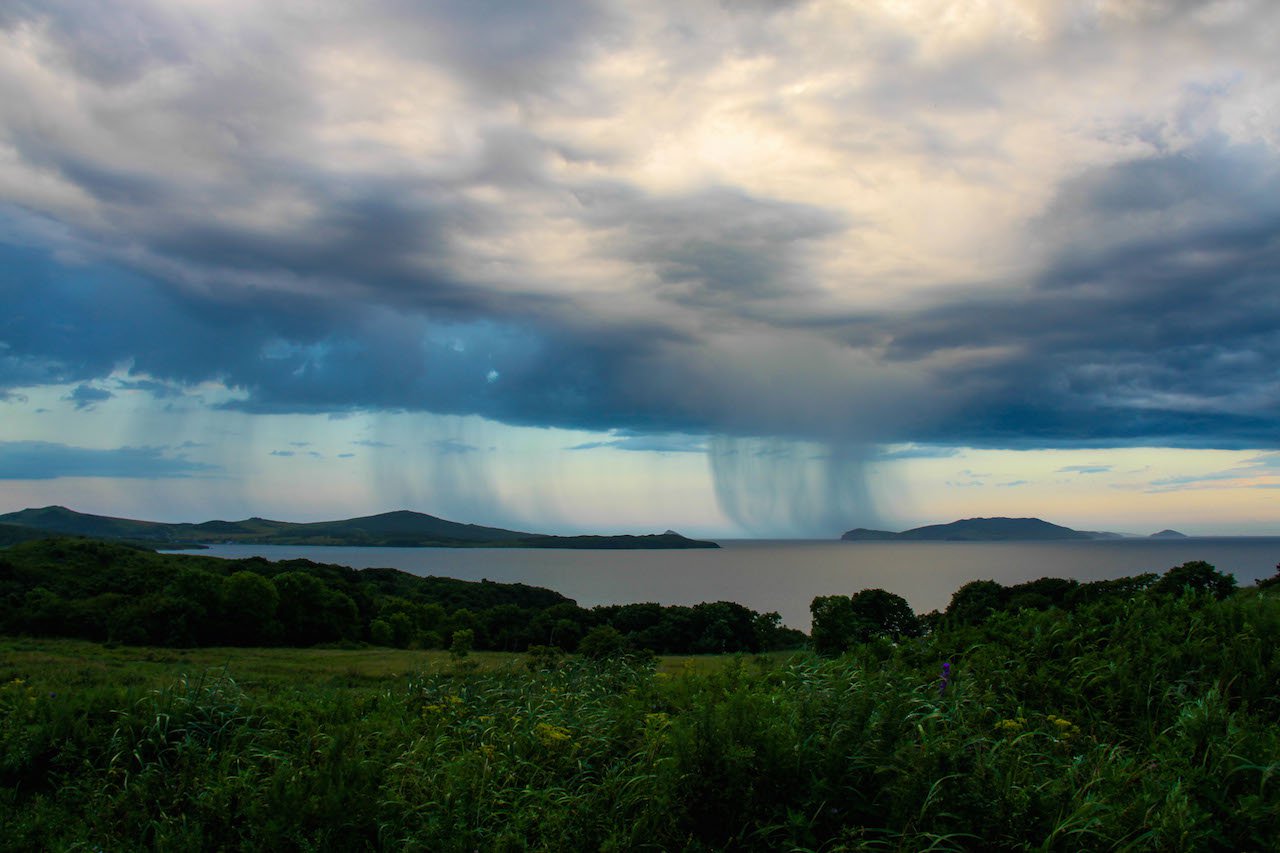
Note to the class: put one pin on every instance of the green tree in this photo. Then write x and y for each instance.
(249, 603)
(840, 622)
(1197, 576)
(380, 633)
(833, 623)
(403, 631)
(974, 602)
(883, 614)
(463, 641)
(312, 612)
(603, 641)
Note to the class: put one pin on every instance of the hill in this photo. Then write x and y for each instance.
(390, 529)
(979, 530)
(1168, 534)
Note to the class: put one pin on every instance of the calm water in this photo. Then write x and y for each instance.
(786, 575)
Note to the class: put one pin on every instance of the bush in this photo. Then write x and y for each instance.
(603, 641)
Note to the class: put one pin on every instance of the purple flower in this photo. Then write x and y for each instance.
(946, 677)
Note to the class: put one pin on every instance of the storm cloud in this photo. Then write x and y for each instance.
(842, 226)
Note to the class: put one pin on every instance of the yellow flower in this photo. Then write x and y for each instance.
(1066, 728)
(551, 736)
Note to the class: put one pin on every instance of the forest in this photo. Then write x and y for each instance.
(117, 593)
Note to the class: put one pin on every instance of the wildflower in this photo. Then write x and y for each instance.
(551, 736)
(1012, 725)
(1066, 728)
(946, 678)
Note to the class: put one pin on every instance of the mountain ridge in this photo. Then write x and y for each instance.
(996, 529)
(397, 528)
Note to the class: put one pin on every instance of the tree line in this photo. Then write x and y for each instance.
(108, 592)
(111, 592)
(842, 622)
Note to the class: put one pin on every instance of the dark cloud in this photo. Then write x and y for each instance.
(1156, 320)
(378, 280)
(159, 390)
(720, 246)
(87, 396)
(40, 460)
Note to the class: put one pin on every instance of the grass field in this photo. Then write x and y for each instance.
(51, 664)
(1147, 723)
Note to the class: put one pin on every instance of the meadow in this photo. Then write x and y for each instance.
(1142, 720)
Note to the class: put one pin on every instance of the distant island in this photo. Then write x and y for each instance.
(400, 529)
(1169, 534)
(981, 530)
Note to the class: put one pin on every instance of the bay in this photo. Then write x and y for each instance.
(786, 575)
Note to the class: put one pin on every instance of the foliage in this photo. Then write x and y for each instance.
(1196, 576)
(603, 641)
(112, 592)
(1146, 721)
(1142, 713)
(840, 622)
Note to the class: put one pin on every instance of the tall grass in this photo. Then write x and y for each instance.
(1141, 724)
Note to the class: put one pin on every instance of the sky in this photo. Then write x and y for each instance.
(736, 268)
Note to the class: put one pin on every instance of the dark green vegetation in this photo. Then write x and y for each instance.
(12, 534)
(1140, 716)
(979, 530)
(112, 592)
(390, 529)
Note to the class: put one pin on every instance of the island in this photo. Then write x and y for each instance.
(399, 529)
(1168, 534)
(980, 530)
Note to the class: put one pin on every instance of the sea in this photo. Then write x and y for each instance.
(786, 575)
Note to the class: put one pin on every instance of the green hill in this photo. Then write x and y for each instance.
(978, 530)
(390, 529)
